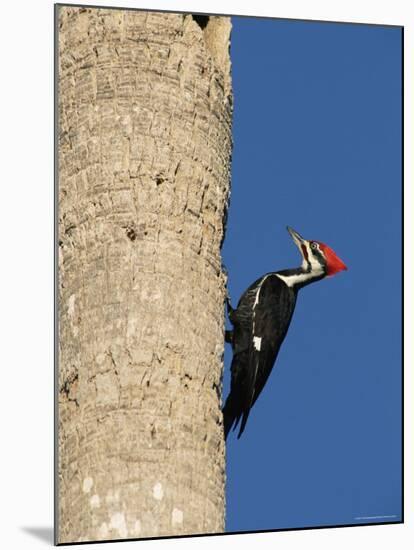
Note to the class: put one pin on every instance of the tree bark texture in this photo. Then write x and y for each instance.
(144, 149)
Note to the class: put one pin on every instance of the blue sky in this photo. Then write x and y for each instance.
(317, 145)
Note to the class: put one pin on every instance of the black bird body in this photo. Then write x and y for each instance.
(260, 323)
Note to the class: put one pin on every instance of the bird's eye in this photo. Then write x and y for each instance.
(314, 246)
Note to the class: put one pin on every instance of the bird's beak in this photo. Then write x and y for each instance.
(297, 239)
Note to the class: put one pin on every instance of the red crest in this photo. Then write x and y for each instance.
(334, 264)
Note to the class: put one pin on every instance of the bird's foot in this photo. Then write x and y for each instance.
(229, 306)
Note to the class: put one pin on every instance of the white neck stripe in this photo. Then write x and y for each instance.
(297, 278)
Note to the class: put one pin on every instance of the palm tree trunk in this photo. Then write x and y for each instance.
(144, 127)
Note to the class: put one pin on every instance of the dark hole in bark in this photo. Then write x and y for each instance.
(67, 387)
(130, 232)
(201, 20)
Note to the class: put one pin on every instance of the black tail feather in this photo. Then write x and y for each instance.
(232, 415)
(229, 415)
(239, 400)
(243, 424)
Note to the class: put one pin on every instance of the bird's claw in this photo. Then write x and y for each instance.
(229, 306)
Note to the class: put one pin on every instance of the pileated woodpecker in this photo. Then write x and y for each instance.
(261, 321)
